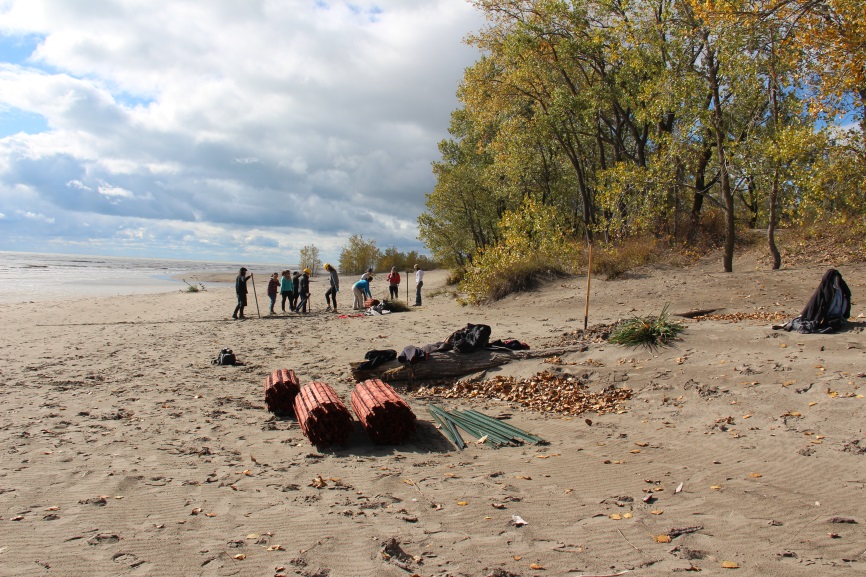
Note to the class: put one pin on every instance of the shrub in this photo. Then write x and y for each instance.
(532, 246)
(614, 260)
(647, 331)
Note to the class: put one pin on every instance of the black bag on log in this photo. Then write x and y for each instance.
(470, 339)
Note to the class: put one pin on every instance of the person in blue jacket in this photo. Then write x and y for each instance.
(286, 288)
(361, 289)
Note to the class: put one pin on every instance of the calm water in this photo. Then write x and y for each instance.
(40, 277)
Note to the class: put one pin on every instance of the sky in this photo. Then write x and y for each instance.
(236, 130)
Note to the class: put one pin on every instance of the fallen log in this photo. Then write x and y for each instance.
(281, 388)
(323, 417)
(453, 364)
(386, 417)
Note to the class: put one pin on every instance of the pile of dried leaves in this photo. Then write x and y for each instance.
(543, 392)
(737, 317)
(594, 334)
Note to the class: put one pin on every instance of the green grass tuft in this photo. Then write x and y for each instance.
(647, 331)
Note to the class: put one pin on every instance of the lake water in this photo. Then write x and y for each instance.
(39, 277)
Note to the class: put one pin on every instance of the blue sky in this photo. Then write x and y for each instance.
(234, 130)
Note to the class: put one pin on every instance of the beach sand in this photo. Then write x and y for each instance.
(126, 452)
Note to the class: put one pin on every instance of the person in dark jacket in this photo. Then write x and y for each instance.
(331, 293)
(273, 289)
(241, 291)
(296, 287)
(304, 291)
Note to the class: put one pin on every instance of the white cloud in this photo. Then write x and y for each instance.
(36, 216)
(251, 116)
(108, 190)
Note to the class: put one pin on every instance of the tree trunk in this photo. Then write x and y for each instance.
(771, 227)
(453, 364)
(719, 128)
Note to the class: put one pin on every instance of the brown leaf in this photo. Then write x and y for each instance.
(662, 538)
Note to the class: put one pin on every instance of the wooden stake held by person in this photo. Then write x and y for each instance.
(256, 296)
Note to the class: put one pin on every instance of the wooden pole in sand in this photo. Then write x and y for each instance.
(588, 279)
(253, 278)
(407, 288)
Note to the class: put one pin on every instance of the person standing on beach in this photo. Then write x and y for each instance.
(296, 289)
(419, 282)
(273, 288)
(369, 273)
(393, 282)
(361, 289)
(335, 287)
(241, 290)
(286, 289)
(304, 291)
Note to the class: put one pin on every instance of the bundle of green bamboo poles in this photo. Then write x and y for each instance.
(481, 426)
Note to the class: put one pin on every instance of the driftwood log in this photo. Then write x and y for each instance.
(281, 388)
(386, 417)
(323, 417)
(453, 364)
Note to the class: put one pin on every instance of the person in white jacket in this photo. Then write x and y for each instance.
(419, 282)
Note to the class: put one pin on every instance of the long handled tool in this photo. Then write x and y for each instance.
(588, 279)
(256, 296)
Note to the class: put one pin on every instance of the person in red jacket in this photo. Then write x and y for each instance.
(393, 282)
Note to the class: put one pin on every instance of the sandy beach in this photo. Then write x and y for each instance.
(126, 452)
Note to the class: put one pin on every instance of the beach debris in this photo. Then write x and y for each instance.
(322, 416)
(486, 429)
(676, 532)
(841, 520)
(730, 565)
(386, 417)
(679, 488)
(544, 392)
(281, 388)
(391, 551)
(518, 521)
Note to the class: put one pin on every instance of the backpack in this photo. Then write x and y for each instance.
(225, 357)
(469, 339)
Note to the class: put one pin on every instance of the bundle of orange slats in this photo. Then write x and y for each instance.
(385, 415)
(281, 388)
(323, 417)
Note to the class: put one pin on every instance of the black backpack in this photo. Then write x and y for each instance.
(469, 339)
(225, 357)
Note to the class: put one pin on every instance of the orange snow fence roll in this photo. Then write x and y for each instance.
(281, 388)
(323, 417)
(385, 415)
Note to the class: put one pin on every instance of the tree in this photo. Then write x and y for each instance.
(309, 258)
(358, 255)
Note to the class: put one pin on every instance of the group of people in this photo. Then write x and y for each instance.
(294, 288)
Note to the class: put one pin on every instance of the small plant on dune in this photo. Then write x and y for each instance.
(191, 288)
(647, 331)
